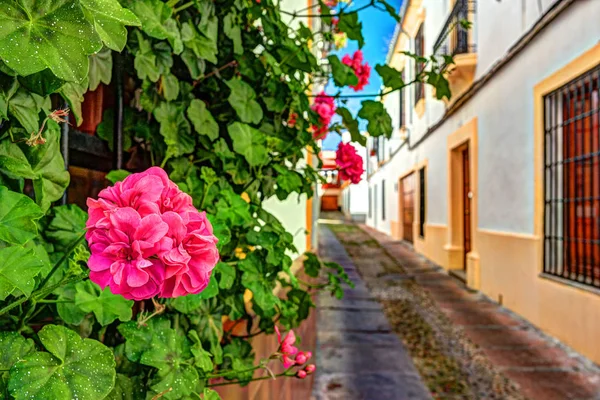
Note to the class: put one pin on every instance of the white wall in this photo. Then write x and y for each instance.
(504, 108)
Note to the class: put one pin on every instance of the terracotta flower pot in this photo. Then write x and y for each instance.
(91, 110)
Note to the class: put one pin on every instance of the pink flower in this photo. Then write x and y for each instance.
(324, 106)
(287, 348)
(303, 357)
(301, 374)
(310, 368)
(362, 71)
(147, 239)
(350, 164)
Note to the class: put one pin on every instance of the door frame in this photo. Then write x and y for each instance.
(401, 207)
(466, 135)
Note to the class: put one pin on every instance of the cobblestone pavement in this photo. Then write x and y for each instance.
(358, 356)
(463, 345)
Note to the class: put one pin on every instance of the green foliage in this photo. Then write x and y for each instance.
(391, 77)
(380, 122)
(18, 214)
(342, 74)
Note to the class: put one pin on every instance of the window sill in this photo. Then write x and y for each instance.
(568, 282)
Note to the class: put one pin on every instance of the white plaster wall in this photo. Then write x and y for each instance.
(504, 108)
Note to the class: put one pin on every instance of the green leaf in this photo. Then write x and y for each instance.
(352, 125)
(72, 368)
(18, 214)
(145, 60)
(67, 225)
(18, 267)
(242, 99)
(23, 106)
(73, 93)
(342, 74)
(232, 31)
(210, 394)
(312, 265)
(110, 20)
(100, 68)
(380, 123)
(248, 142)
(124, 389)
(155, 16)
(138, 339)
(195, 65)
(189, 303)
(390, 10)
(67, 309)
(202, 358)
(170, 86)
(117, 175)
(210, 327)
(41, 83)
(104, 130)
(169, 352)
(54, 35)
(226, 275)
(107, 307)
(203, 121)
(238, 356)
(349, 24)
(391, 77)
(175, 129)
(13, 347)
(440, 83)
(204, 42)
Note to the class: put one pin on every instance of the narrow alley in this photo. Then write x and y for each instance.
(410, 331)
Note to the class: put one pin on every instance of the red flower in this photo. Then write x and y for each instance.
(287, 348)
(350, 164)
(324, 106)
(362, 71)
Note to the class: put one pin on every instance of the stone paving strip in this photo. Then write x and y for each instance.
(359, 356)
(499, 354)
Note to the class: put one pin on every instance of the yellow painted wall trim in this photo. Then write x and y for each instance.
(309, 207)
(509, 234)
(413, 17)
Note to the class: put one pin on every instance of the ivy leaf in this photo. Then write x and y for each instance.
(169, 352)
(195, 65)
(41, 83)
(349, 24)
(100, 68)
(107, 307)
(110, 20)
(312, 265)
(55, 36)
(13, 347)
(18, 214)
(242, 99)
(248, 142)
(226, 275)
(145, 60)
(203, 121)
(138, 339)
(175, 129)
(117, 175)
(170, 86)
(72, 368)
(440, 83)
(67, 225)
(232, 31)
(203, 43)
(352, 125)
(390, 10)
(342, 74)
(380, 123)
(18, 267)
(391, 77)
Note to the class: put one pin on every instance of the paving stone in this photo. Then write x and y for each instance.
(346, 320)
(370, 386)
(556, 385)
(357, 339)
(473, 314)
(544, 356)
(503, 337)
(326, 301)
(367, 359)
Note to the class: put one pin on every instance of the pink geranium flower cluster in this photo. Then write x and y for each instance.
(362, 71)
(147, 239)
(350, 164)
(324, 106)
(287, 350)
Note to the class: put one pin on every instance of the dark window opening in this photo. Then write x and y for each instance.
(420, 52)
(402, 116)
(571, 181)
(370, 203)
(383, 200)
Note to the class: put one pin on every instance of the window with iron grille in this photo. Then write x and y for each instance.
(571, 182)
(419, 51)
(383, 200)
(402, 116)
(422, 202)
(370, 203)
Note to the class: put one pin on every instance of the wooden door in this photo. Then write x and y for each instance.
(408, 206)
(466, 170)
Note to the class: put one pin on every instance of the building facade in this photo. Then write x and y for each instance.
(500, 185)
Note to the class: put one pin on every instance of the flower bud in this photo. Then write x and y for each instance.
(310, 368)
(302, 358)
(301, 374)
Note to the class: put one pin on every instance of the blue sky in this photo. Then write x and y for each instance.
(378, 28)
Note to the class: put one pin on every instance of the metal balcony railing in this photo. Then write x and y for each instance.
(454, 38)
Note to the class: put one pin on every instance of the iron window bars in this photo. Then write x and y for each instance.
(420, 52)
(572, 180)
(454, 37)
(422, 202)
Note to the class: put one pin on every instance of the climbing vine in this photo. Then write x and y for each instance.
(218, 93)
